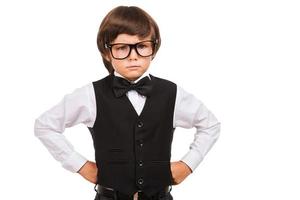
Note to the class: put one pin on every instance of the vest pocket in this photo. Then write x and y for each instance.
(115, 150)
(159, 161)
(117, 162)
(115, 156)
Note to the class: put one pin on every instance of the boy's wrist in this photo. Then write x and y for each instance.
(89, 171)
(180, 171)
(187, 166)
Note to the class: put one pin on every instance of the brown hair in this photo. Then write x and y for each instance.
(129, 20)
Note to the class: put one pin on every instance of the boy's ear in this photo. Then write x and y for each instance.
(107, 57)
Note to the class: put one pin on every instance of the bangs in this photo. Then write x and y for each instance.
(127, 20)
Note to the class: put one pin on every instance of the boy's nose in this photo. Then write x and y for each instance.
(133, 54)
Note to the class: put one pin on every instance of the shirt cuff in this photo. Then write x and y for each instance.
(192, 159)
(74, 162)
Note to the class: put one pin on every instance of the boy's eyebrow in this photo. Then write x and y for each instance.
(133, 43)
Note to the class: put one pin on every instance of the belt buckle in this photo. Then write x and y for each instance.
(168, 188)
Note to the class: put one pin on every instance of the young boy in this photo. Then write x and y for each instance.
(131, 116)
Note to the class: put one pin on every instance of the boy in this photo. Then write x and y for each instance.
(131, 116)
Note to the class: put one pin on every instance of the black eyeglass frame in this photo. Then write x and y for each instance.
(109, 46)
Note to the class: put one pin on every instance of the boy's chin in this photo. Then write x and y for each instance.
(133, 75)
(133, 78)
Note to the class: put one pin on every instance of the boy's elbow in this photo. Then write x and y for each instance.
(37, 128)
(216, 129)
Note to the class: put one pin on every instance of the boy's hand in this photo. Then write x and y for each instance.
(180, 171)
(89, 171)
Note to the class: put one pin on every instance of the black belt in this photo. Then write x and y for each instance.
(116, 195)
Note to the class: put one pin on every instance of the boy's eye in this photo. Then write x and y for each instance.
(121, 47)
(142, 46)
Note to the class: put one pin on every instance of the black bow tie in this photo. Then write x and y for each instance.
(121, 86)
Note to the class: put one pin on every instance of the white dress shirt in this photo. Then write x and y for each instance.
(80, 107)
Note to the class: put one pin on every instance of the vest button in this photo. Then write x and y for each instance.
(141, 163)
(140, 181)
(141, 143)
(140, 124)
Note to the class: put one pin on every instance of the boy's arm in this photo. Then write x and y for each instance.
(190, 112)
(73, 109)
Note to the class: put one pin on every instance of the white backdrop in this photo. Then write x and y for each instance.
(241, 58)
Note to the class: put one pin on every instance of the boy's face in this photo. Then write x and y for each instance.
(134, 65)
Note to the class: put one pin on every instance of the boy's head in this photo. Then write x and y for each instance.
(128, 40)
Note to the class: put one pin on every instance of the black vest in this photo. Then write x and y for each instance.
(133, 152)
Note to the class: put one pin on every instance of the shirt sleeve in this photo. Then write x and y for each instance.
(75, 108)
(190, 112)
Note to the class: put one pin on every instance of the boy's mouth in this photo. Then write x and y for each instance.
(133, 66)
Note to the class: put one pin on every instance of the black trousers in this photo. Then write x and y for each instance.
(168, 196)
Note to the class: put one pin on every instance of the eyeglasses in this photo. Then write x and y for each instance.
(121, 51)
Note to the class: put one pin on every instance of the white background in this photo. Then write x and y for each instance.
(241, 58)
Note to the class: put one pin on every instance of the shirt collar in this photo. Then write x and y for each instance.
(144, 75)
